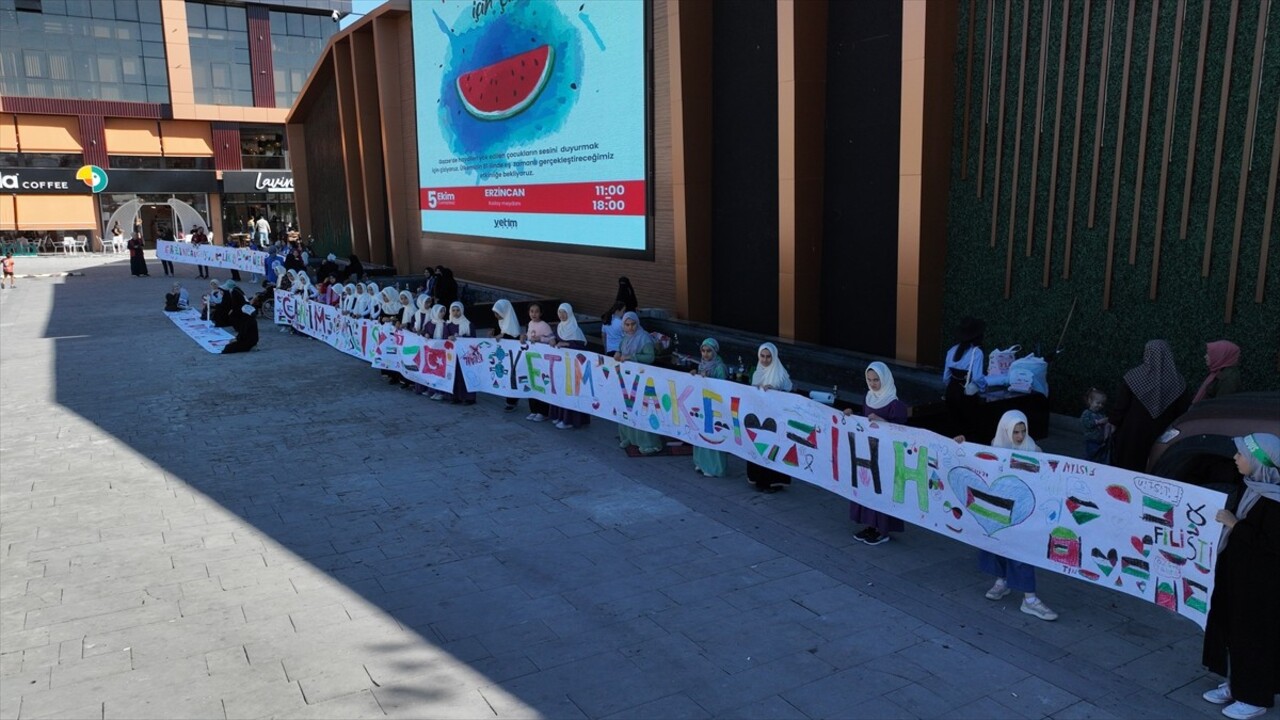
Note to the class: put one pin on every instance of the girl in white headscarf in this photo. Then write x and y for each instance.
(407, 309)
(421, 316)
(434, 330)
(769, 375)
(388, 305)
(348, 299)
(1013, 433)
(508, 323)
(459, 327)
(1242, 632)
(568, 336)
(881, 404)
(509, 328)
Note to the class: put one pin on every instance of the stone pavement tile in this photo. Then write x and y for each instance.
(502, 669)
(776, 590)
(275, 700)
(422, 700)
(1186, 699)
(963, 665)
(693, 614)
(11, 664)
(549, 690)
(757, 683)
(168, 642)
(1035, 696)
(985, 708)
(672, 655)
(927, 699)
(517, 637)
(355, 706)
(672, 707)
(118, 620)
(178, 675)
(1084, 711)
(580, 635)
(772, 632)
(226, 660)
(69, 611)
(700, 586)
(839, 694)
(507, 705)
(176, 704)
(1161, 669)
(323, 616)
(334, 681)
(84, 712)
(75, 591)
(11, 704)
(770, 708)
(89, 668)
(1105, 650)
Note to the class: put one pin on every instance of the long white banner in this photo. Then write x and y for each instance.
(205, 334)
(219, 256)
(427, 362)
(1145, 536)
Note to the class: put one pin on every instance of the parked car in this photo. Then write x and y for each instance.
(1197, 447)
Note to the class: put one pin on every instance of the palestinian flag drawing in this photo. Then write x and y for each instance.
(992, 507)
(1195, 595)
(1157, 511)
(1082, 511)
(1135, 567)
(1025, 463)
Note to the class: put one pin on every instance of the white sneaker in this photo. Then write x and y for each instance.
(1039, 609)
(530, 416)
(1243, 711)
(537, 417)
(998, 591)
(560, 425)
(1220, 695)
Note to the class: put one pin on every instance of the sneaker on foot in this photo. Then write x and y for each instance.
(998, 591)
(862, 534)
(875, 537)
(1220, 695)
(537, 417)
(529, 416)
(1243, 711)
(1039, 609)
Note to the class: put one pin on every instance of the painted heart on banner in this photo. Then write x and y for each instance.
(995, 505)
(1141, 544)
(1105, 562)
(763, 433)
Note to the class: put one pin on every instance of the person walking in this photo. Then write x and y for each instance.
(7, 264)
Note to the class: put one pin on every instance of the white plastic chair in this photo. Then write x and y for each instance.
(68, 244)
(82, 244)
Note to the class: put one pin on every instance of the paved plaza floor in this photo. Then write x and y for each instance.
(282, 534)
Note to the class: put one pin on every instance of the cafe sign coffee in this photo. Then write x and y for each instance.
(257, 181)
(42, 181)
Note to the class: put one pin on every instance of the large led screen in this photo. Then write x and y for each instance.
(532, 120)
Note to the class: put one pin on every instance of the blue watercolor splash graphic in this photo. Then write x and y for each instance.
(498, 35)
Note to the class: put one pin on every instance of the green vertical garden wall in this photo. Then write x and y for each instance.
(1188, 309)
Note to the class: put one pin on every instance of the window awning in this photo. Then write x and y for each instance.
(54, 212)
(49, 133)
(186, 139)
(6, 213)
(8, 133)
(127, 136)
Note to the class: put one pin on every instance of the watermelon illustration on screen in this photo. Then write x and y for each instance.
(507, 87)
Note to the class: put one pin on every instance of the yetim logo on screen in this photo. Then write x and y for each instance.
(93, 176)
(532, 120)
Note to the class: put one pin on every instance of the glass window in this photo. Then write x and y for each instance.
(297, 40)
(220, 54)
(217, 17)
(126, 9)
(85, 49)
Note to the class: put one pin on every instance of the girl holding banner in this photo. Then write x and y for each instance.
(637, 346)
(569, 335)
(1012, 575)
(1242, 633)
(769, 375)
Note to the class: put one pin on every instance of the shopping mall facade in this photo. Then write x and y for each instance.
(169, 101)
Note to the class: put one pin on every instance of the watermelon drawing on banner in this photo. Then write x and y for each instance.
(507, 87)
